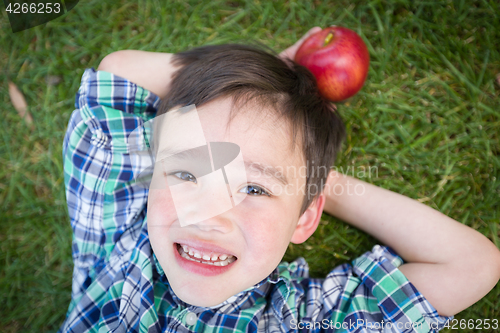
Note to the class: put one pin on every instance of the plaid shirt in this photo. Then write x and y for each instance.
(119, 286)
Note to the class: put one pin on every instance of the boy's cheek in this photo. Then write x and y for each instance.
(160, 246)
(268, 232)
(161, 209)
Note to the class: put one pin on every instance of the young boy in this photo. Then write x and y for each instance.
(138, 267)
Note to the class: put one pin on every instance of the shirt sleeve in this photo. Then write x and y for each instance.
(371, 295)
(104, 203)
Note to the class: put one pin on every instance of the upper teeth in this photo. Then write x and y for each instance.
(217, 259)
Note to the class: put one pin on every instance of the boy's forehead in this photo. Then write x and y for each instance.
(264, 138)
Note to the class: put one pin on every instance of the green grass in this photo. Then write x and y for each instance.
(427, 119)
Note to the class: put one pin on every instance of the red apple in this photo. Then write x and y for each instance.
(339, 60)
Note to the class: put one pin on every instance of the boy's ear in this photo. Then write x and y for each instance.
(309, 220)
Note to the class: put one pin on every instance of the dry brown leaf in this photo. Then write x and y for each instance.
(17, 99)
(498, 79)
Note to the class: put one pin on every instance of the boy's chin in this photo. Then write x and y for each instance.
(200, 299)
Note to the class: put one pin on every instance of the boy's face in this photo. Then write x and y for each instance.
(244, 243)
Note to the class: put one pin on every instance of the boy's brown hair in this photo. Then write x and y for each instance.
(249, 73)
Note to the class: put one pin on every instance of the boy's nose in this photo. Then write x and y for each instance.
(219, 223)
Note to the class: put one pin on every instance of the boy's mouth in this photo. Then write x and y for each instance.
(215, 259)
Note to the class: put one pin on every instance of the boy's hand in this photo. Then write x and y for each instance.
(290, 52)
(452, 265)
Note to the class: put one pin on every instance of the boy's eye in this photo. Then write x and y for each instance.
(254, 190)
(186, 176)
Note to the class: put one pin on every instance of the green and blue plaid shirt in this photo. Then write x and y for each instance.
(118, 285)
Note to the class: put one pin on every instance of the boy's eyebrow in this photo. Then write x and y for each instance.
(181, 153)
(268, 170)
(198, 153)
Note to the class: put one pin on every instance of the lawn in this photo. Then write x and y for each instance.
(426, 123)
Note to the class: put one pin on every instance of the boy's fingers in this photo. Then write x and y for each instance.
(303, 38)
(290, 52)
(309, 33)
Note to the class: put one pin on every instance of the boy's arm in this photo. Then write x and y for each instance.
(150, 70)
(452, 265)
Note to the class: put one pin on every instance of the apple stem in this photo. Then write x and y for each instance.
(328, 39)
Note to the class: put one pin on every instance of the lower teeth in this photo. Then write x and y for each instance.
(213, 263)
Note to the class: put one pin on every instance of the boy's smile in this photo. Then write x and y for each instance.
(203, 259)
(209, 261)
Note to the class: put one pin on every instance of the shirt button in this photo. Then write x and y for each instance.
(191, 318)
